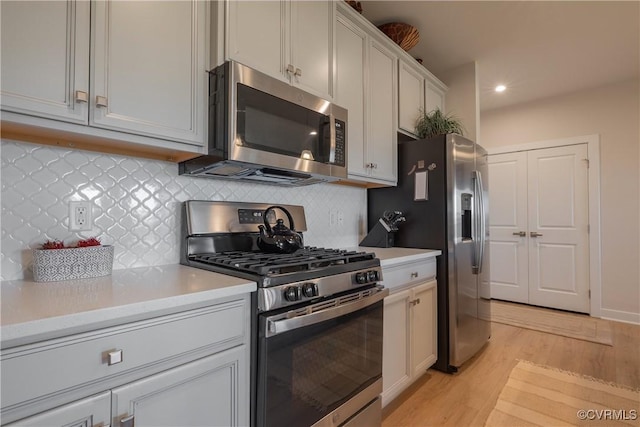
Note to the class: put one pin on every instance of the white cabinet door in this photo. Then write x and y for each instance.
(213, 391)
(312, 46)
(434, 97)
(351, 46)
(148, 63)
(410, 97)
(288, 40)
(45, 58)
(423, 328)
(256, 35)
(508, 227)
(382, 148)
(89, 412)
(396, 371)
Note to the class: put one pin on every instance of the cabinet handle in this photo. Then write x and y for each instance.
(101, 101)
(290, 69)
(81, 96)
(418, 301)
(374, 165)
(414, 275)
(126, 421)
(534, 234)
(298, 72)
(114, 357)
(520, 233)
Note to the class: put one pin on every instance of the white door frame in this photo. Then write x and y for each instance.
(595, 252)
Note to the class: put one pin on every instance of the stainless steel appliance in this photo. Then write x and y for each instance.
(442, 192)
(265, 130)
(317, 324)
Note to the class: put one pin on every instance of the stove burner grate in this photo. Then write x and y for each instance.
(265, 264)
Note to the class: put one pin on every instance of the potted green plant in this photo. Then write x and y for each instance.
(435, 122)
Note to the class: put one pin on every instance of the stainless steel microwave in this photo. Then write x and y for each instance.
(264, 129)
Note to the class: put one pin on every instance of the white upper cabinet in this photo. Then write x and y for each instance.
(136, 68)
(382, 148)
(148, 68)
(45, 59)
(351, 56)
(418, 90)
(288, 40)
(410, 96)
(366, 85)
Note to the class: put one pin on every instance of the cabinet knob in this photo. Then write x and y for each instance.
(290, 69)
(298, 72)
(520, 233)
(101, 101)
(414, 275)
(81, 96)
(114, 357)
(534, 234)
(126, 421)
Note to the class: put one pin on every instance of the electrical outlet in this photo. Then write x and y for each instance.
(332, 217)
(80, 216)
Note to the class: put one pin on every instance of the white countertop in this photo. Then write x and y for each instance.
(34, 311)
(394, 256)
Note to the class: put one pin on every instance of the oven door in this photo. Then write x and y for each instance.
(320, 364)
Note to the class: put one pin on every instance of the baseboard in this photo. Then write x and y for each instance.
(620, 316)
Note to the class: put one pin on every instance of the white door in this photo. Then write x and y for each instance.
(508, 227)
(396, 372)
(539, 227)
(558, 228)
(410, 97)
(424, 339)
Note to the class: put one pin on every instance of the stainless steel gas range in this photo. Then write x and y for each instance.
(317, 324)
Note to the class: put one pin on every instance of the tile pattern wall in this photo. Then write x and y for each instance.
(136, 204)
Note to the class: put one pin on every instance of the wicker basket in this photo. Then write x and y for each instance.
(404, 35)
(50, 265)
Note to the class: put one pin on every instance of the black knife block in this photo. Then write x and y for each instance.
(380, 236)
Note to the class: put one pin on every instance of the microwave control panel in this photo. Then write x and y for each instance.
(341, 136)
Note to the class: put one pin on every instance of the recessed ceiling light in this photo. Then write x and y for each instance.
(501, 88)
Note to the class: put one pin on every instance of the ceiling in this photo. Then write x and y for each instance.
(537, 49)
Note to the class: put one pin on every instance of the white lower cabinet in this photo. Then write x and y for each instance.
(201, 393)
(185, 369)
(89, 412)
(410, 329)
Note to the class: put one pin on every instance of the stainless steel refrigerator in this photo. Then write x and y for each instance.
(442, 192)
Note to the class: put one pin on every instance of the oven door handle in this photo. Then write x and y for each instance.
(277, 324)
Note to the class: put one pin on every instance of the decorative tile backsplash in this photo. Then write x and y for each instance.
(136, 204)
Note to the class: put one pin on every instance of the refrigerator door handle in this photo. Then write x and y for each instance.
(482, 229)
(479, 223)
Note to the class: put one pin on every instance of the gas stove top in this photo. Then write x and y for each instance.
(221, 237)
(305, 260)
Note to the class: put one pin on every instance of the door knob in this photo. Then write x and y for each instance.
(520, 233)
(534, 234)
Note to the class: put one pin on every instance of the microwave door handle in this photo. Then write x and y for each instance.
(275, 327)
(332, 132)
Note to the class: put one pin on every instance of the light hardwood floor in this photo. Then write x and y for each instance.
(467, 397)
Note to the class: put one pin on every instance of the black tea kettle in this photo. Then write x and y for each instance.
(280, 238)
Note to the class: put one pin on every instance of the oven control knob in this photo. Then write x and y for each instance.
(310, 290)
(372, 276)
(292, 293)
(361, 278)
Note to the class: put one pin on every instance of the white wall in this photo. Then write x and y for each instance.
(462, 100)
(613, 112)
(136, 204)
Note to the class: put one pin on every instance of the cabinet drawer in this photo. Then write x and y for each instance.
(398, 276)
(41, 369)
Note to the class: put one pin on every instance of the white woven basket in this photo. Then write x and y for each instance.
(51, 265)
